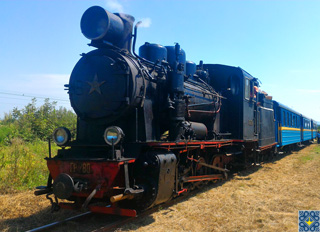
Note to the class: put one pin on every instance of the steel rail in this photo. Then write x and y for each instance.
(59, 222)
(142, 214)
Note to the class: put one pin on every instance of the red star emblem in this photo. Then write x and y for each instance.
(95, 85)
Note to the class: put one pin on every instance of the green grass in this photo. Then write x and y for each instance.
(317, 149)
(305, 159)
(22, 165)
(314, 154)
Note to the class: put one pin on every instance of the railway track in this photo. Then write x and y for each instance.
(119, 223)
(54, 224)
(108, 227)
(116, 222)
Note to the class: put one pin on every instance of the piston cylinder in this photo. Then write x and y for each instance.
(200, 130)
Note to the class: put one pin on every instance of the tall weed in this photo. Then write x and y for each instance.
(22, 165)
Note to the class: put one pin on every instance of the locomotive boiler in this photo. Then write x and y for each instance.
(150, 126)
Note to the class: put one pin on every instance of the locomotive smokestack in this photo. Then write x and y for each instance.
(98, 24)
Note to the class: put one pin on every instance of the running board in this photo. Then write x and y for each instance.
(203, 178)
(113, 210)
(110, 209)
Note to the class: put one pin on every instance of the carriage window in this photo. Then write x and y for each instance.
(294, 121)
(288, 119)
(283, 118)
(247, 89)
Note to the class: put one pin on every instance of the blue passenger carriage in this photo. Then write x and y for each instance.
(306, 129)
(287, 125)
(314, 126)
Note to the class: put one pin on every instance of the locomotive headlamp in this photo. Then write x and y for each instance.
(61, 136)
(113, 135)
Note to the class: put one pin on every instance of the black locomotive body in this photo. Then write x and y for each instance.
(152, 126)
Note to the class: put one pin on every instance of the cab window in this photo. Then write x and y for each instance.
(247, 89)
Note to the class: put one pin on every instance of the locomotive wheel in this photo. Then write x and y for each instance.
(218, 161)
(201, 170)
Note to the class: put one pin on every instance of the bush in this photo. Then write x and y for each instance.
(23, 144)
(32, 123)
(5, 132)
(22, 165)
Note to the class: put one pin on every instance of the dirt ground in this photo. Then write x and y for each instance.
(264, 198)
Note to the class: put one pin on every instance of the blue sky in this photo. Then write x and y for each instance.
(275, 41)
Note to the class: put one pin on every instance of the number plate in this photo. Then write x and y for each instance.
(81, 168)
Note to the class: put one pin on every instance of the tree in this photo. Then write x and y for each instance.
(34, 122)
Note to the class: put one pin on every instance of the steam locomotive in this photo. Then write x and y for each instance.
(153, 126)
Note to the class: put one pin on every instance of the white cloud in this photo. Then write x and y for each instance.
(114, 5)
(146, 22)
(20, 90)
(48, 76)
(47, 85)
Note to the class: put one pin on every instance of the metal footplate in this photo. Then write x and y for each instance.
(112, 209)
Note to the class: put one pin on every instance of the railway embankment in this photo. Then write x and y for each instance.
(263, 198)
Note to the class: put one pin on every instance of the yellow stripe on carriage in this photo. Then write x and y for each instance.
(290, 128)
